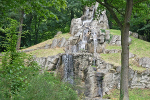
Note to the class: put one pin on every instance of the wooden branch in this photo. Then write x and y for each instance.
(117, 10)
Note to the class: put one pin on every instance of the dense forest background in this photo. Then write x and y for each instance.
(41, 19)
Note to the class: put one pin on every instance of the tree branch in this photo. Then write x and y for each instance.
(111, 12)
(117, 10)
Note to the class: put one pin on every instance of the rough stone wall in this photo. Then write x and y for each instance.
(86, 74)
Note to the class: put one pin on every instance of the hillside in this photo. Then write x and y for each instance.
(137, 48)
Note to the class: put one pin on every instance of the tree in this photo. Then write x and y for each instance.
(125, 26)
(41, 7)
(117, 9)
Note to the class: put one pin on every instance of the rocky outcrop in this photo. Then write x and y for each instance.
(48, 63)
(144, 62)
(112, 51)
(82, 65)
(94, 76)
(58, 43)
(116, 40)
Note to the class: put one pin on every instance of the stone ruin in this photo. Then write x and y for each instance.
(81, 64)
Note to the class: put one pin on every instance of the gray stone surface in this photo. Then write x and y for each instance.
(134, 34)
(84, 72)
(62, 42)
(144, 62)
(112, 51)
(54, 43)
(59, 32)
(116, 40)
(131, 55)
(46, 46)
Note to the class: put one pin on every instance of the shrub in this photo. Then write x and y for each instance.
(15, 75)
(47, 87)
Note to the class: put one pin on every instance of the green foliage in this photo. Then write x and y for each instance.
(20, 79)
(16, 66)
(15, 75)
(93, 66)
(47, 87)
(110, 38)
(102, 30)
(11, 37)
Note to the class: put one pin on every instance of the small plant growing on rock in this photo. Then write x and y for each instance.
(102, 30)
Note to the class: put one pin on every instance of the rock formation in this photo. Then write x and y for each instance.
(82, 65)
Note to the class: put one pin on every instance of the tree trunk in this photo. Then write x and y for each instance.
(20, 31)
(125, 52)
(72, 14)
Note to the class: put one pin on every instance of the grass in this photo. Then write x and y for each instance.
(115, 58)
(66, 35)
(110, 47)
(115, 32)
(46, 52)
(134, 94)
(139, 47)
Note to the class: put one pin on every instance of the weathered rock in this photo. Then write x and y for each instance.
(59, 32)
(131, 55)
(144, 62)
(135, 35)
(112, 51)
(47, 46)
(41, 61)
(107, 36)
(118, 43)
(76, 24)
(51, 62)
(28, 50)
(62, 42)
(100, 48)
(114, 39)
(54, 43)
(130, 40)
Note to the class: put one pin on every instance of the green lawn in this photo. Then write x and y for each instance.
(49, 41)
(46, 52)
(115, 58)
(110, 47)
(115, 32)
(134, 94)
(139, 47)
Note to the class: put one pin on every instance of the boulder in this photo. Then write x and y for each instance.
(59, 32)
(51, 62)
(114, 39)
(100, 48)
(76, 24)
(54, 43)
(135, 34)
(144, 62)
(46, 46)
(131, 55)
(62, 42)
(130, 40)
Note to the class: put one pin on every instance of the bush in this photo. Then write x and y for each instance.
(47, 87)
(15, 73)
